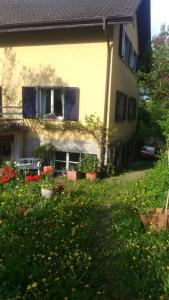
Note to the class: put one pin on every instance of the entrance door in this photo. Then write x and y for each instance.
(5, 147)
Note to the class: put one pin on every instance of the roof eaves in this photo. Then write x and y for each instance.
(65, 24)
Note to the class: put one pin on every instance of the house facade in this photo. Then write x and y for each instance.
(79, 61)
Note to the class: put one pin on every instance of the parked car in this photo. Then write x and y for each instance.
(148, 152)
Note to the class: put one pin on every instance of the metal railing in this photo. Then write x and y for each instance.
(11, 112)
(11, 118)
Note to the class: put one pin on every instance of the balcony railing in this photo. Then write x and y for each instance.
(11, 118)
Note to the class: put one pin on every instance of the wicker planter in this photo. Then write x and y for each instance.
(155, 220)
(73, 175)
(91, 175)
(46, 193)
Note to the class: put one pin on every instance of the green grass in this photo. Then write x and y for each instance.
(87, 243)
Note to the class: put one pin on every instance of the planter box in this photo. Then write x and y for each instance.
(155, 220)
(48, 170)
(73, 175)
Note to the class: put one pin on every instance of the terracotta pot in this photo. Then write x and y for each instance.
(156, 220)
(47, 193)
(48, 170)
(73, 175)
(91, 175)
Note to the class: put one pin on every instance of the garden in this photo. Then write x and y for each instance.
(86, 241)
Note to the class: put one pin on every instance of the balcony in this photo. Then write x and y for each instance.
(11, 119)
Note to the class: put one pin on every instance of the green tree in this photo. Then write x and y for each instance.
(153, 81)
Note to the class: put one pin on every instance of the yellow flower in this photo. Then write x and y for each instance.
(34, 284)
(73, 290)
(29, 287)
(167, 267)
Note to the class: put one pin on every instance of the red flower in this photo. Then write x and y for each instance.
(8, 170)
(4, 179)
(12, 175)
(32, 178)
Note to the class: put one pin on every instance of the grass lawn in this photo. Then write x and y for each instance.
(86, 243)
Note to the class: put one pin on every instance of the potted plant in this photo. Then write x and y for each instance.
(89, 165)
(45, 153)
(47, 187)
(155, 219)
(74, 172)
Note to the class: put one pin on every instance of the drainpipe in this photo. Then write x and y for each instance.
(105, 29)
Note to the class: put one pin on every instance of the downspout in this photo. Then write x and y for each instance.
(106, 101)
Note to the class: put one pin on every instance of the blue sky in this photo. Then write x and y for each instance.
(159, 14)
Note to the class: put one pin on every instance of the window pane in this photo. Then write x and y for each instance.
(58, 108)
(60, 155)
(74, 157)
(60, 165)
(48, 101)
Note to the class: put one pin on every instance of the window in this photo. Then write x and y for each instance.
(64, 160)
(56, 103)
(5, 150)
(126, 50)
(131, 109)
(121, 103)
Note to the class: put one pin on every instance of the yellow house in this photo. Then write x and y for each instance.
(62, 60)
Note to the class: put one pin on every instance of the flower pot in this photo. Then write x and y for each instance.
(46, 193)
(91, 175)
(73, 175)
(155, 220)
(48, 170)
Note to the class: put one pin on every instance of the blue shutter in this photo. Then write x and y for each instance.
(122, 45)
(135, 62)
(125, 107)
(0, 101)
(29, 102)
(71, 104)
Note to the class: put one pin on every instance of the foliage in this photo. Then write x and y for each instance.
(85, 243)
(89, 163)
(93, 126)
(45, 153)
(147, 125)
(48, 182)
(154, 85)
(152, 191)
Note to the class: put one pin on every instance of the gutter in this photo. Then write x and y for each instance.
(107, 72)
(72, 23)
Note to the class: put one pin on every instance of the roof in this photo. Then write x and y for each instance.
(35, 13)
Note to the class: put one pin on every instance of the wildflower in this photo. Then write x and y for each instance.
(34, 284)
(29, 287)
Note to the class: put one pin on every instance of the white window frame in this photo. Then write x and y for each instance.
(67, 161)
(39, 101)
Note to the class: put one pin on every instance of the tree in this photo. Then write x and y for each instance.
(154, 84)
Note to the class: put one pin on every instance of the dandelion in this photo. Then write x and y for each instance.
(29, 287)
(34, 284)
